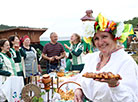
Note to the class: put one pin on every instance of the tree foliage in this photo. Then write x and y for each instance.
(134, 22)
(3, 27)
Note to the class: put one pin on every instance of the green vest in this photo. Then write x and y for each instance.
(18, 66)
(8, 64)
(77, 60)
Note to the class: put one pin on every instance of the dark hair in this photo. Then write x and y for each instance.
(11, 38)
(93, 42)
(2, 42)
(21, 41)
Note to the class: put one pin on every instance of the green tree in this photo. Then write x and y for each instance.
(134, 22)
(3, 27)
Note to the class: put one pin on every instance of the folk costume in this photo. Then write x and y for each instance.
(119, 62)
(7, 66)
(76, 55)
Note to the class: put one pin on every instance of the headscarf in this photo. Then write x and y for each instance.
(23, 38)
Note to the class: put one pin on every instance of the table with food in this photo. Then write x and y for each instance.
(59, 86)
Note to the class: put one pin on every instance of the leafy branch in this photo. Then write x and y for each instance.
(38, 99)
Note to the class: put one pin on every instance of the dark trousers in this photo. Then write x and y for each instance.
(78, 67)
(52, 67)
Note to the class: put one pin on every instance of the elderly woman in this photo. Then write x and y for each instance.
(110, 58)
(31, 60)
(76, 52)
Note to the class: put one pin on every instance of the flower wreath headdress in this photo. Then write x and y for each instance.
(112, 27)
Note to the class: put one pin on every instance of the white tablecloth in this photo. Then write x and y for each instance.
(11, 89)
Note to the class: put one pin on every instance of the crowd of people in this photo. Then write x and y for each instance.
(110, 57)
(13, 53)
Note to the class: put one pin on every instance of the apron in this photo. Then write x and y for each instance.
(77, 60)
(8, 65)
(18, 66)
(30, 63)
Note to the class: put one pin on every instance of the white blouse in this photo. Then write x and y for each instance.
(120, 63)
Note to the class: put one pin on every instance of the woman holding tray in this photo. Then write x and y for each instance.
(111, 58)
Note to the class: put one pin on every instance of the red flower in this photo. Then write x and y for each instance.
(96, 23)
(117, 38)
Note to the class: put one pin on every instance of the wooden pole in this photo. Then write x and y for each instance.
(36, 80)
(57, 82)
(33, 67)
(48, 96)
(23, 64)
(31, 81)
(52, 85)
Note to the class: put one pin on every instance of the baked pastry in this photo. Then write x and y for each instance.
(68, 95)
(60, 74)
(61, 92)
(103, 75)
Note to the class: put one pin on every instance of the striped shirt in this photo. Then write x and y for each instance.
(53, 50)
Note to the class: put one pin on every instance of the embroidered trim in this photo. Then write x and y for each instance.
(98, 68)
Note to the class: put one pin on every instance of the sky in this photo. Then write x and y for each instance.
(47, 13)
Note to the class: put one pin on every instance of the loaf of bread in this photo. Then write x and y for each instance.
(103, 75)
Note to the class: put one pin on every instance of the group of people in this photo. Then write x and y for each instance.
(19, 58)
(53, 52)
(16, 55)
(110, 57)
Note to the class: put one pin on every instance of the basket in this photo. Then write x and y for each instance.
(69, 95)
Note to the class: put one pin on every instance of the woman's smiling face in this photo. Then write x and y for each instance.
(6, 46)
(16, 40)
(104, 41)
(26, 42)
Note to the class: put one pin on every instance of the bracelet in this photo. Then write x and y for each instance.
(114, 85)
